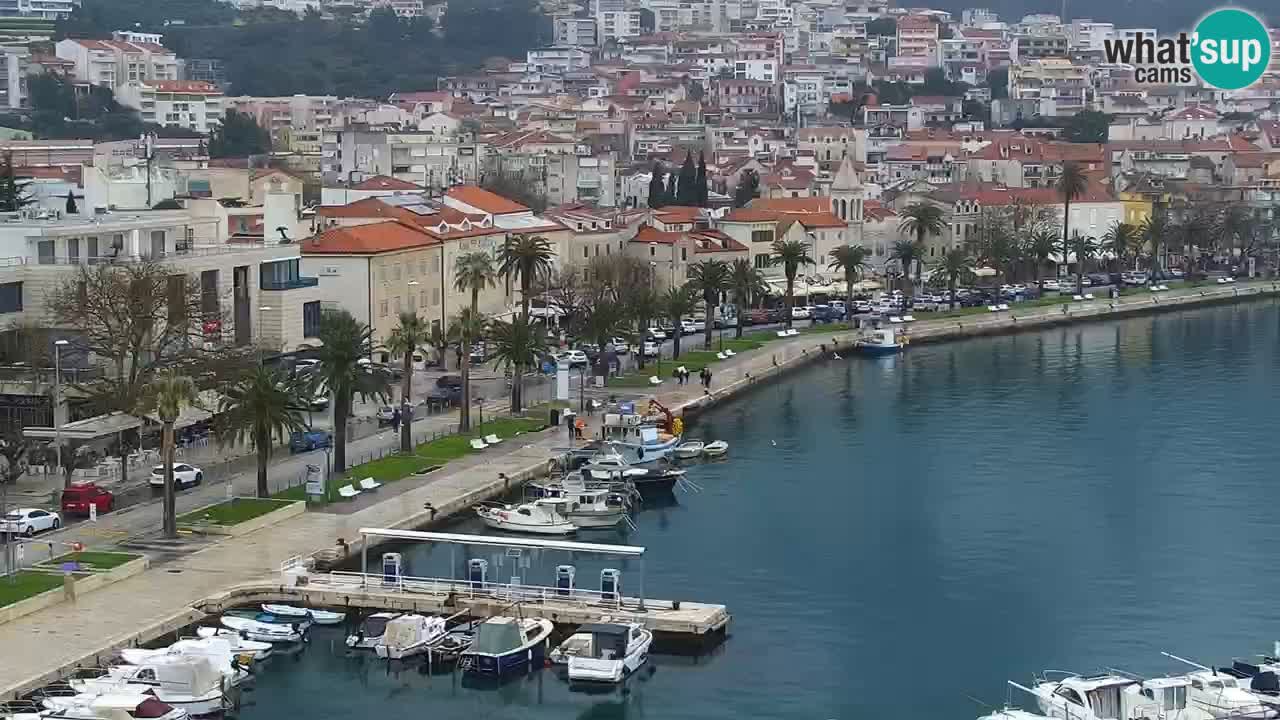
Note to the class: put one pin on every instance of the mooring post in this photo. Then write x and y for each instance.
(642, 608)
(364, 560)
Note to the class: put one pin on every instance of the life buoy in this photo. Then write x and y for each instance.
(677, 426)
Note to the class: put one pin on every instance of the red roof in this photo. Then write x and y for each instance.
(823, 219)
(805, 204)
(481, 199)
(993, 196)
(714, 241)
(190, 87)
(751, 215)
(650, 234)
(383, 182)
(672, 214)
(367, 239)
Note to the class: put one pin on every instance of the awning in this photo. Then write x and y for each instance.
(102, 426)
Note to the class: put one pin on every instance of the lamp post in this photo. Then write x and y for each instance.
(262, 333)
(57, 398)
(480, 407)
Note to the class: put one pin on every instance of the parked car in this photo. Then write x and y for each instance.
(77, 499)
(1052, 284)
(801, 312)
(319, 401)
(449, 381)
(650, 348)
(447, 395)
(29, 521)
(184, 476)
(656, 333)
(385, 415)
(571, 358)
(757, 316)
(307, 440)
(620, 346)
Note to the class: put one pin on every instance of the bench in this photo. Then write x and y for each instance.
(1078, 298)
(478, 444)
(655, 380)
(369, 484)
(895, 320)
(721, 356)
(782, 333)
(908, 318)
(730, 353)
(348, 492)
(1002, 306)
(993, 308)
(492, 439)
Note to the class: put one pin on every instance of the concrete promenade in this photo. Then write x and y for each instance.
(159, 600)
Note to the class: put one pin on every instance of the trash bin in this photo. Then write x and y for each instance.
(555, 417)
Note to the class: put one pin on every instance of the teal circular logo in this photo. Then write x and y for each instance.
(1230, 49)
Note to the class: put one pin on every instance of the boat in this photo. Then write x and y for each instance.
(505, 646)
(689, 450)
(371, 630)
(595, 505)
(239, 645)
(544, 516)
(195, 684)
(253, 629)
(115, 706)
(604, 652)
(221, 649)
(1202, 695)
(881, 341)
(716, 448)
(319, 617)
(410, 635)
(646, 480)
(641, 443)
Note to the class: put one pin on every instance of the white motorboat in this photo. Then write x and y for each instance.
(689, 450)
(881, 341)
(319, 617)
(239, 645)
(1203, 695)
(371, 630)
(410, 635)
(715, 449)
(194, 684)
(596, 508)
(222, 650)
(544, 516)
(262, 631)
(118, 706)
(604, 652)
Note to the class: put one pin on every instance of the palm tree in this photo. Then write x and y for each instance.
(747, 283)
(1086, 249)
(410, 334)
(1154, 231)
(1120, 240)
(517, 344)
(166, 394)
(346, 370)
(791, 254)
(921, 219)
(852, 260)
(1000, 250)
(908, 254)
(1071, 185)
(677, 303)
(1233, 228)
(957, 266)
(438, 339)
(528, 258)
(1040, 249)
(464, 328)
(643, 304)
(710, 278)
(262, 406)
(472, 273)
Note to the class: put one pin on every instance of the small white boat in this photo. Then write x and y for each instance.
(715, 449)
(262, 631)
(544, 516)
(410, 635)
(239, 645)
(115, 706)
(594, 507)
(371, 630)
(604, 652)
(223, 650)
(195, 684)
(882, 341)
(319, 617)
(689, 450)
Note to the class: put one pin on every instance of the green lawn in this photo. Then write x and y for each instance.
(26, 584)
(233, 511)
(94, 560)
(429, 454)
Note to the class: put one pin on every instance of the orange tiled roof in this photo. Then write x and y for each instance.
(805, 204)
(481, 199)
(650, 234)
(751, 215)
(383, 182)
(367, 239)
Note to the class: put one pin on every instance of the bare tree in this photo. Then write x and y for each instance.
(14, 453)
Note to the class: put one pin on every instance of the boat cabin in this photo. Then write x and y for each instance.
(609, 641)
(499, 635)
(120, 707)
(1107, 697)
(882, 337)
(1169, 695)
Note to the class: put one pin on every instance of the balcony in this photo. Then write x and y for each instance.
(289, 283)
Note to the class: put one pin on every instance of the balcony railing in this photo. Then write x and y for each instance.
(290, 284)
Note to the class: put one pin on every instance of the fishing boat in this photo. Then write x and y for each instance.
(544, 516)
(881, 341)
(647, 481)
(641, 443)
(715, 449)
(371, 630)
(689, 449)
(319, 617)
(254, 629)
(505, 646)
(596, 508)
(114, 706)
(604, 652)
(239, 645)
(410, 635)
(194, 684)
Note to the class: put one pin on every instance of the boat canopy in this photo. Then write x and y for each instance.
(497, 636)
(607, 637)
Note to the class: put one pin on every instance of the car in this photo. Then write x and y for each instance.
(699, 324)
(445, 395)
(650, 348)
(801, 312)
(310, 439)
(319, 401)
(77, 499)
(184, 476)
(757, 316)
(571, 358)
(656, 333)
(29, 521)
(449, 381)
(1052, 285)
(620, 346)
(862, 306)
(385, 415)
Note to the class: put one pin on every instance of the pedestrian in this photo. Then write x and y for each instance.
(677, 376)
(708, 378)
(395, 420)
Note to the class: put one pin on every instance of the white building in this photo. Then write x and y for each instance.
(115, 62)
(618, 24)
(558, 59)
(576, 32)
(13, 91)
(581, 178)
(42, 9)
(174, 103)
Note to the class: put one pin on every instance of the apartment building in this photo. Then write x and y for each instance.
(918, 37)
(422, 158)
(13, 86)
(1056, 85)
(286, 117)
(558, 59)
(618, 25)
(174, 103)
(1025, 48)
(583, 178)
(576, 32)
(42, 9)
(117, 61)
(745, 97)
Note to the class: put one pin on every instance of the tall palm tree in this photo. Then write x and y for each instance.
(1086, 249)
(345, 370)
(957, 266)
(1155, 233)
(678, 302)
(165, 395)
(1041, 247)
(643, 304)
(1232, 229)
(747, 283)
(908, 253)
(1071, 184)
(790, 254)
(262, 406)
(472, 273)
(466, 327)
(921, 219)
(529, 259)
(1120, 240)
(517, 344)
(410, 334)
(710, 278)
(852, 261)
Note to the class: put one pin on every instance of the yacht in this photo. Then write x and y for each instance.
(604, 652)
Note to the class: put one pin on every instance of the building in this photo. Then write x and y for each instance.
(745, 97)
(41, 9)
(174, 103)
(581, 178)
(1056, 86)
(576, 32)
(1038, 47)
(286, 117)
(116, 62)
(918, 37)
(13, 89)
(618, 25)
(558, 59)
(422, 158)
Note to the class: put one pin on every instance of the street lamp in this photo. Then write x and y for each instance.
(57, 396)
(480, 407)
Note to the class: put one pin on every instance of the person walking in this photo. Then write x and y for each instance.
(708, 380)
(395, 420)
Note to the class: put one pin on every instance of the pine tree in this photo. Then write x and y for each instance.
(748, 185)
(701, 182)
(13, 192)
(656, 191)
(688, 194)
(670, 198)
(71, 204)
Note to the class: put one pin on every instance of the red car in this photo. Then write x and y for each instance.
(77, 499)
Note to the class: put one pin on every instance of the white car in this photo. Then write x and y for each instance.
(800, 313)
(620, 346)
(649, 349)
(29, 521)
(656, 333)
(184, 475)
(1052, 285)
(572, 358)
(688, 327)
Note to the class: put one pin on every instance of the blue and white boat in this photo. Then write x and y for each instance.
(641, 444)
(881, 341)
(507, 646)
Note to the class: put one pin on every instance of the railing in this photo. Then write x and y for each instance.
(291, 283)
(505, 592)
(26, 373)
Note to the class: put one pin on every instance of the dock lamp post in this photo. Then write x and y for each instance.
(57, 398)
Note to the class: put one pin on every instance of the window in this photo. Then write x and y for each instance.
(586, 252)
(653, 251)
(311, 319)
(684, 254)
(73, 250)
(44, 252)
(157, 243)
(763, 260)
(397, 305)
(382, 308)
(1069, 695)
(11, 297)
(762, 236)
